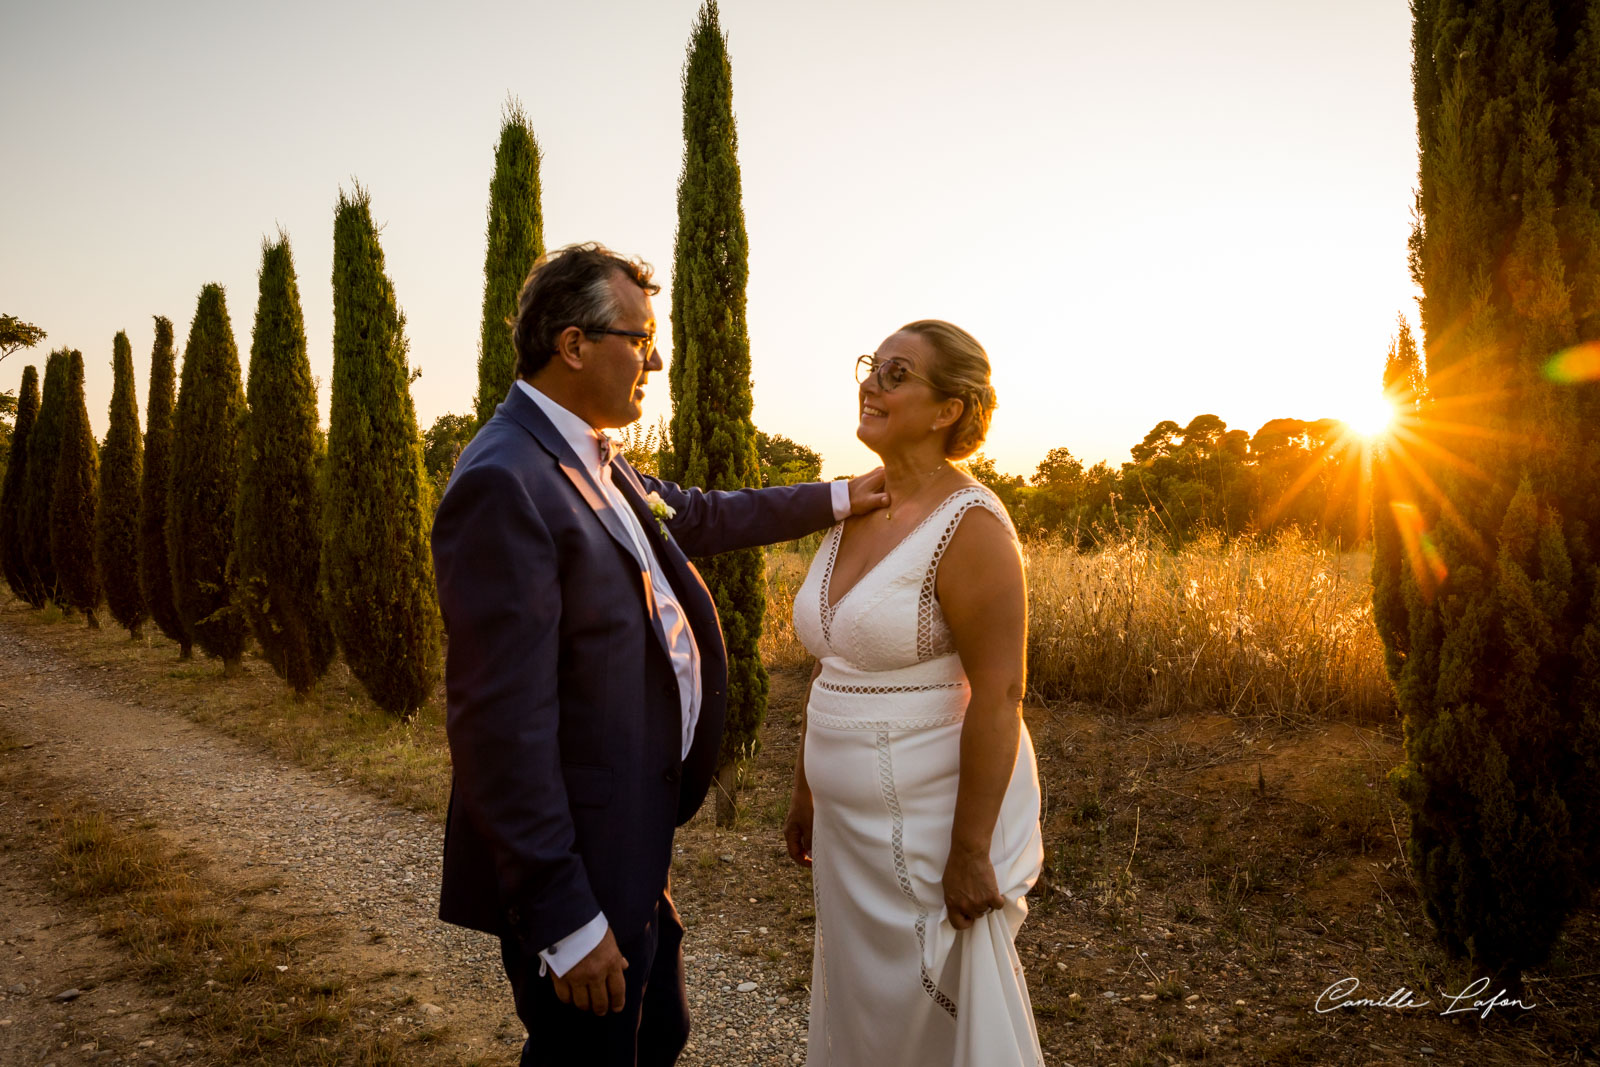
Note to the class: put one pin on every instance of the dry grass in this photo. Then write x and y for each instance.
(786, 571)
(1280, 628)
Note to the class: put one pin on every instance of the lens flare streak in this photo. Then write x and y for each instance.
(1580, 363)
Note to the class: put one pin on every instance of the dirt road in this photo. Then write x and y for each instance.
(366, 868)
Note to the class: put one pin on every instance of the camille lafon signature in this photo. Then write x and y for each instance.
(1341, 994)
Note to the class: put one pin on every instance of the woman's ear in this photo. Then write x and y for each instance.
(949, 412)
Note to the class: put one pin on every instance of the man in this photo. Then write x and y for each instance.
(586, 674)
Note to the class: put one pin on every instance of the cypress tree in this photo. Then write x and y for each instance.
(39, 480)
(116, 538)
(155, 569)
(713, 436)
(73, 503)
(12, 562)
(279, 534)
(1402, 378)
(379, 571)
(204, 485)
(516, 240)
(1493, 631)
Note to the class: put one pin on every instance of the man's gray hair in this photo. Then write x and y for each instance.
(569, 287)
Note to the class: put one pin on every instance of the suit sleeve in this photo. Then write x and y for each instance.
(709, 522)
(496, 567)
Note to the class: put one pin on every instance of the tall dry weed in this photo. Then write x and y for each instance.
(1280, 627)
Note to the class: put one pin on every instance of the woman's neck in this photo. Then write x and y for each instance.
(907, 474)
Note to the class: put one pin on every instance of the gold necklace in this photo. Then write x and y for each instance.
(888, 513)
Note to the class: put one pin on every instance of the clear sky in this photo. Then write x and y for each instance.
(1143, 211)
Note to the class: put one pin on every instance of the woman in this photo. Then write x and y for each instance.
(916, 796)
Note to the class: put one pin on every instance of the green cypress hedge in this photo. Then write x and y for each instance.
(516, 240)
(1488, 592)
(376, 561)
(12, 562)
(116, 538)
(155, 567)
(205, 484)
(73, 504)
(278, 538)
(39, 480)
(713, 436)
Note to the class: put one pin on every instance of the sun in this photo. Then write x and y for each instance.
(1372, 417)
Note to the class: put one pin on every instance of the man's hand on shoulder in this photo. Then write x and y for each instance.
(595, 982)
(866, 492)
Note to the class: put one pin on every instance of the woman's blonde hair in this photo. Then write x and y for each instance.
(960, 369)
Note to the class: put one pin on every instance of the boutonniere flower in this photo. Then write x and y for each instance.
(661, 510)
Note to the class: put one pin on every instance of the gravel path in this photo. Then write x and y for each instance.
(335, 852)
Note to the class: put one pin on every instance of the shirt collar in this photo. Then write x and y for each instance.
(583, 438)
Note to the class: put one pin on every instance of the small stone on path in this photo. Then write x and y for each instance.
(66, 995)
(747, 987)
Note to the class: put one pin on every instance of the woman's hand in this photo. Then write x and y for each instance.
(797, 827)
(970, 888)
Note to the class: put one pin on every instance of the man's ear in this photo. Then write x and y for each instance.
(567, 342)
(949, 412)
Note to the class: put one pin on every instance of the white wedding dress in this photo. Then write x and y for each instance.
(893, 983)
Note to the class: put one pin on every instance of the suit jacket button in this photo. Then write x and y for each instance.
(671, 775)
(670, 688)
(513, 917)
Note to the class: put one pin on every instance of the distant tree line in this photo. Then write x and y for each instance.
(1184, 480)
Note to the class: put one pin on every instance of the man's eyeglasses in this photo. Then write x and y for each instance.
(648, 339)
(890, 372)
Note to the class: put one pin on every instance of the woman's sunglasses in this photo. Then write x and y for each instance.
(890, 373)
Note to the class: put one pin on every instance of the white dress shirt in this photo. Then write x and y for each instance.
(683, 652)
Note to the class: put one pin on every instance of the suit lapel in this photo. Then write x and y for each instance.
(529, 417)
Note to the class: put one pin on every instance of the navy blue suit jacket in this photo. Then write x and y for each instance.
(564, 719)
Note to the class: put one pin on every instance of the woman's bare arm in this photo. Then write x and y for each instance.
(984, 599)
(797, 824)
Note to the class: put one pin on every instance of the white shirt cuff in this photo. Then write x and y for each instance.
(841, 499)
(562, 956)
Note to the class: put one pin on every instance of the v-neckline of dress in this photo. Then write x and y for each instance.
(838, 539)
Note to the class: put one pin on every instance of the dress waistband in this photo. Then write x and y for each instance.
(919, 697)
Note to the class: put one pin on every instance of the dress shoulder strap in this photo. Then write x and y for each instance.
(955, 507)
(958, 503)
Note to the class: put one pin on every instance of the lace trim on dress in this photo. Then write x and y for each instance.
(977, 497)
(826, 610)
(822, 960)
(833, 687)
(844, 722)
(903, 875)
(826, 613)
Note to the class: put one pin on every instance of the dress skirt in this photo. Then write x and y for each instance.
(894, 984)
